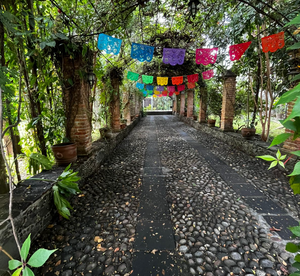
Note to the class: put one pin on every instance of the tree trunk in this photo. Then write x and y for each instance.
(14, 141)
(252, 125)
(33, 93)
(4, 188)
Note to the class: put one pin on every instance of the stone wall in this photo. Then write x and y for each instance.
(251, 147)
(33, 206)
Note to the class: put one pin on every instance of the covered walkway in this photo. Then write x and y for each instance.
(175, 201)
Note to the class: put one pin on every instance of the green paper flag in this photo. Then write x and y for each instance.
(132, 76)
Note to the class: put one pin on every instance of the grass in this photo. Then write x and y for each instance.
(275, 128)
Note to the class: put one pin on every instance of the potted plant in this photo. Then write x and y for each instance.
(65, 153)
(211, 122)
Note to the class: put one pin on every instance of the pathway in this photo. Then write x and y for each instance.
(174, 201)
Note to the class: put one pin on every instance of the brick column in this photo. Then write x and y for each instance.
(190, 104)
(182, 103)
(77, 105)
(126, 108)
(203, 104)
(114, 106)
(174, 111)
(293, 145)
(228, 101)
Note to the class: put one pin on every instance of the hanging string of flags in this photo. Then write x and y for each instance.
(175, 56)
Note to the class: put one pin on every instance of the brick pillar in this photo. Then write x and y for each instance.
(174, 111)
(126, 108)
(77, 105)
(177, 103)
(293, 145)
(182, 103)
(115, 105)
(228, 101)
(203, 104)
(190, 104)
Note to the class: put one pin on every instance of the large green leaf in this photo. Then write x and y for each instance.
(40, 257)
(296, 110)
(13, 264)
(291, 247)
(296, 152)
(28, 272)
(280, 139)
(25, 248)
(290, 95)
(294, 46)
(295, 21)
(296, 170)
(289, 124)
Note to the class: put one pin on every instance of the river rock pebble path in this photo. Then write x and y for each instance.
(215, 232)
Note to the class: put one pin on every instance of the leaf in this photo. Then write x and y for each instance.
(294, 46)
(27, 272)
(297, 152)
(13, 264)
(280, 139)
(61, 36)
(296, 110)
(291, 247)
(51, 43)
(43, 45)
(295, 274)
(297, 77)
(296, 170)
(267, 157)
(289, 124)
(40, 257)
(281, 164)
(296, 264)
(296, 188)
(278, 154)
(297, 258)
(25, 248)
(295, 21)
(17, 272)
(295, 230)
(290, 95)
(273, 164)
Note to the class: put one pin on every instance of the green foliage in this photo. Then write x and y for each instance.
(275, 160)
(38, 162)
(65, 186)
(36, 260)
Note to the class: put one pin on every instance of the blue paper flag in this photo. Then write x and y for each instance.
(109, 44)
(142, 52)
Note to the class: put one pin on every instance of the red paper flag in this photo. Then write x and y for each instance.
(208, 74)
(177, 80)
(272, 42)
(236, 51)
(206, 56)
(193, 78)
(191, 85)
(180, 87)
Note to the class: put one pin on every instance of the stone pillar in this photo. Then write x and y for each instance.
(76, 98)
(182, 103)
(203, 104)
(132, 104)
(290, 144)
(126, 108)
(190, 104)
(137, 105)
(228, 101)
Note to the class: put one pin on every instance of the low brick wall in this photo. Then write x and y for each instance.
(251, 147)
(33, 206)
